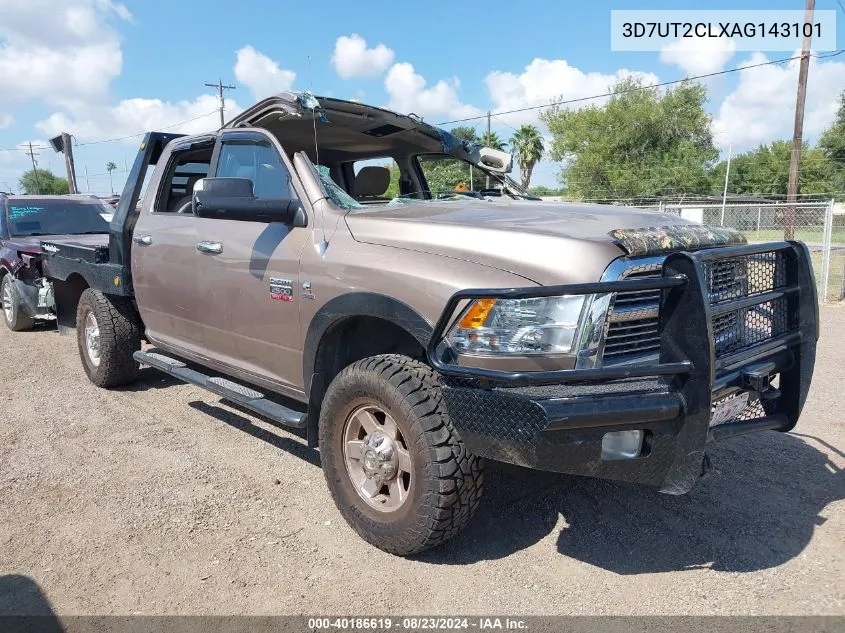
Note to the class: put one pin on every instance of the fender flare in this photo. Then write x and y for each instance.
(359, 304)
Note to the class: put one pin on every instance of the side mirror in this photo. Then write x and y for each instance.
(232, 199)
(495, 160)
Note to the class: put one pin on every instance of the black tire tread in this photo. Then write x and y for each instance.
(120, 337)
(459, 479)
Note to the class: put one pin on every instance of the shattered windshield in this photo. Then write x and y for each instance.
(334, 192)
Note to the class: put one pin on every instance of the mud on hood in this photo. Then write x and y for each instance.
(546, 243)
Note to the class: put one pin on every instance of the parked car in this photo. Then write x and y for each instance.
(415, 334)
(24, 221)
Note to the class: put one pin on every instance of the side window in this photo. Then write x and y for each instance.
(260, 162)
(446, 174)
(183, 172)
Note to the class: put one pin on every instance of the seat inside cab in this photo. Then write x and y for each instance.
(370, 184)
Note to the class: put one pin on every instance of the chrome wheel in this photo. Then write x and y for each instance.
(377, 458)
(8, 302)
(92, 339)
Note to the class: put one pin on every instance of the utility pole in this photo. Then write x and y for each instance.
(32, 156)
(795, 158)
(488, 140)
(220, 88)
(67, 148)
(727, 175)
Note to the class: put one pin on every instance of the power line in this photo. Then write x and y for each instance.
(119, 138)
(495, 114)
(641, 88)
(166, 127)
(20, 149)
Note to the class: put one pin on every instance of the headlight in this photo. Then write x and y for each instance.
(542, 325)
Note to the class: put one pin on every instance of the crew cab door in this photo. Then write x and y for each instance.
(164, 273)
(248, 272)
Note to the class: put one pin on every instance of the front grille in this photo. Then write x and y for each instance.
(633, 320)
(741, 277)
(633, 328)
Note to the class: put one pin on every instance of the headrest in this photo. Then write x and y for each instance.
(371, 181)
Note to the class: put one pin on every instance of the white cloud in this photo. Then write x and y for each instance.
(544, 80)
(59, 53)
(6, 120)
(699, 55)
(261, 74)
(762, 107)
(352, 58)
(408, 93)
(133, 116)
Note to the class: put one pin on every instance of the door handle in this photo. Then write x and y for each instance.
(143, 240)
(210, 248)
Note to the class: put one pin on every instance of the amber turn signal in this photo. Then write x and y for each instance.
(477, 314)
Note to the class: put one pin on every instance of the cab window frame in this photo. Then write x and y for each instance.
(246, 135)
(161, 202)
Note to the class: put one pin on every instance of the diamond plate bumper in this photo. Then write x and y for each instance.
(555, 420)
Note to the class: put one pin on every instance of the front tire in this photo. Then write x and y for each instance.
(396, 468)
(108, 333)
(15, 318)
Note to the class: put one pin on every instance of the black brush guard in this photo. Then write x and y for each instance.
(555, 420)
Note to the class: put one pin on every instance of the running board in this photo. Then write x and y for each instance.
(244, 396)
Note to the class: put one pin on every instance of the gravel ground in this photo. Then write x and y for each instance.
(161, 499)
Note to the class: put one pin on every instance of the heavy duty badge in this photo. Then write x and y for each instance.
(281, 289)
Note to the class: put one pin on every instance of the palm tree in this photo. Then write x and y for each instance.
(492, 140)
(527, 145)
(110, 167)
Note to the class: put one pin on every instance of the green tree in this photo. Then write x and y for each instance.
(42, 182)
(542, 190)
(392, 190)
(765, 171)
(465, 133)
(832, 144)
(492, 140)
(641, 143)
(110, 167)
(527, 146)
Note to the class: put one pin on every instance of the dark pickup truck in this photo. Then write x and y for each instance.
(319, 262)
(27, 296)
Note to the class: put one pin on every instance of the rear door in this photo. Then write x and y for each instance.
(164, 272)
(248, 272)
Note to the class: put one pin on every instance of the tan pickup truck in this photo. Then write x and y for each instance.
(387, 289)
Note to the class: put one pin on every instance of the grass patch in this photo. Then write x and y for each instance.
(810, 235)
(834, 281)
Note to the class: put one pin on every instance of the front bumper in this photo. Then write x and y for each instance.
(556, 420)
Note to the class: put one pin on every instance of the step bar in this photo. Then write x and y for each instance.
(232, 391)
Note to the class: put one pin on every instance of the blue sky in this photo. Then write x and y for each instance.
(101, 70)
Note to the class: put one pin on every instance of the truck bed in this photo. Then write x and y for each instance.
(60, 261)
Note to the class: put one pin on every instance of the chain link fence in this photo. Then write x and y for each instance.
(821, 225)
